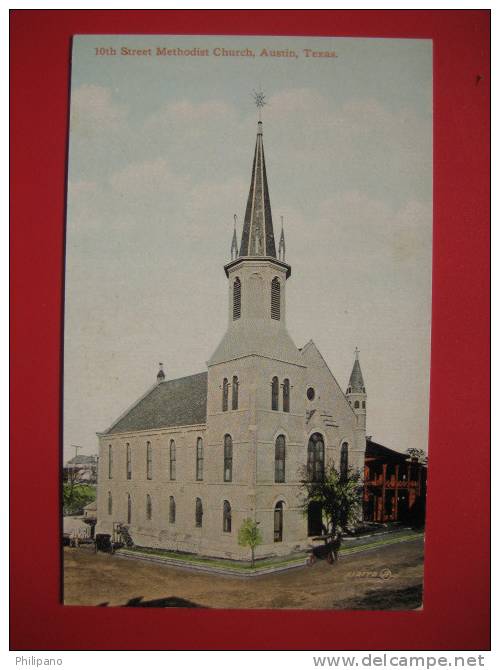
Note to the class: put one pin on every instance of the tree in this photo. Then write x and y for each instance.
(76, 491)
(339, 497)
(419, 454)
(249, 535)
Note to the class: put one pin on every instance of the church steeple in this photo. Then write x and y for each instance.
(258, 236)
(356, 392)
(356, 383)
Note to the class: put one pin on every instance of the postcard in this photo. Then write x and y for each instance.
(247, 322)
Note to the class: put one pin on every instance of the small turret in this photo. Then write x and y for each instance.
(234, 243)
(356, 391)
(160, 377)
(282, 247)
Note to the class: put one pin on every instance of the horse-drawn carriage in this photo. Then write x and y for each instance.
(328, 550)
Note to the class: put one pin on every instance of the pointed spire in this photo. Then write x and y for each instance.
(356, 383)
(257, 238)
(234, 243)
(160, 377)
(282, 247)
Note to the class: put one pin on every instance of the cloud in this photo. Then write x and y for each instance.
(94, 111)
(147, 178)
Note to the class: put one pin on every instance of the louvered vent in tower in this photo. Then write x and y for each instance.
(275, 299)
(236, 299)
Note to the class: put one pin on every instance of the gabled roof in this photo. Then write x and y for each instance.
(375, 450)
(174, 402)
(82, 460)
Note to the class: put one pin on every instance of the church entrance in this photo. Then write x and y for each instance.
(314, 519)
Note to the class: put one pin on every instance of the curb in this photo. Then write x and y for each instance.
(256, 572)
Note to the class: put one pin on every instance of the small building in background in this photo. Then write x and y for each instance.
(81, 469)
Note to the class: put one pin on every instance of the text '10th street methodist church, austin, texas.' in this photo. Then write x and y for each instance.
(194, 457)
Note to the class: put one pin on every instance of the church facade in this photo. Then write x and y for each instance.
(195, 456)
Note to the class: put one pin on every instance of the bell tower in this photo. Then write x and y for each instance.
(255, 378)
(257, 279)
(356, 392)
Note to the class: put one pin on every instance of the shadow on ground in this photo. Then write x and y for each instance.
(172, 601)
(409, 598)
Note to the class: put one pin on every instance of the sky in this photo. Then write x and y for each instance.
(160, 158)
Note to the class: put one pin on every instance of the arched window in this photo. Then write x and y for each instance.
(228, 458)
(226, 517)
(225, 394)
(275, 299)
(172, 460)
(279, 459)
(236, 299)
(149, 507)
(356, 404)
(234, 403)
(129, 509)
(171, 509)
(363, 404)
(316, 458)
(344, 460)
(110, 462)
(198, 513)
(275, 390)
(286, 395)
(278, 522)
(110, 503)
(149, 461)
(129, 461)
(199, 459)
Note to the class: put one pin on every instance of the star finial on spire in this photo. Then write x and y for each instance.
(260, 100)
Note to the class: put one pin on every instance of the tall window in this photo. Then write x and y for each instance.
(236, 299)
(356, 404)
(226, 517)
(344, 460)
(129, 509)
(110, 503)
(279, 459)
(129, 461)
(172, 460)
(234, 404)
(286, 395)
(228, 458)
(275, 299)
(198, 513)
(171, 509)
(110, 462)
(278, 522)
(199, 459)
(225, 395)
(316, 458)
(149, 461)
(275, 390)
(149, 507)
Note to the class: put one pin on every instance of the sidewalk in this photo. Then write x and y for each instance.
(265, 566)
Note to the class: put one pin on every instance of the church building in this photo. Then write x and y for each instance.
(195, 456)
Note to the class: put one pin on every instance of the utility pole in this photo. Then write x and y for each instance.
(76, 447)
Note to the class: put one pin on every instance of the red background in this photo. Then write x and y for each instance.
(456, 610)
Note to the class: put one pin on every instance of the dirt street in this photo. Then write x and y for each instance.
(387, 578)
